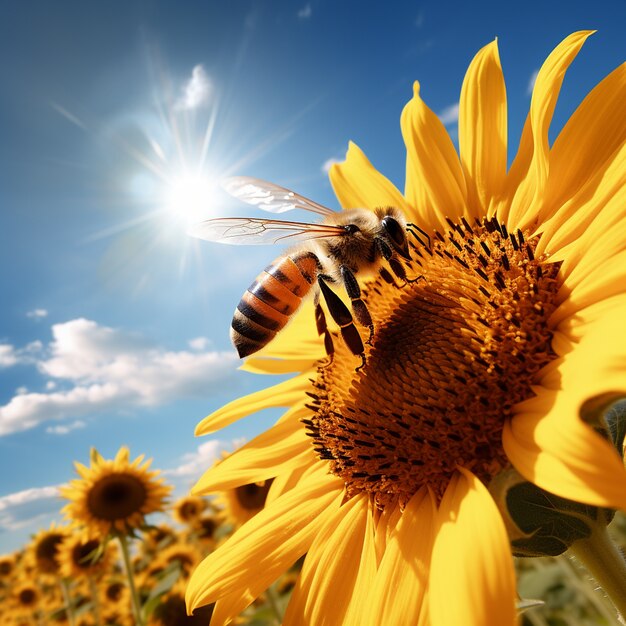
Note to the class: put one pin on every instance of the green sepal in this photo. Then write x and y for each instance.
(540, 523)
(615, 418)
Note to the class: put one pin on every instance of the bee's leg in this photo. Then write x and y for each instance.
(411, 228)
(322, 328)
(387, 277)
(394, 264)
(342, 316)
(400, 272)
(358, 306)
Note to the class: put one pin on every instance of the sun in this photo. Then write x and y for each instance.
(188, 197)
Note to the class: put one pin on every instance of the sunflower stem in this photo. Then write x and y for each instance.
(273, 602)
(134, 596)
(96, 602)
(69, 609)
(605, 563)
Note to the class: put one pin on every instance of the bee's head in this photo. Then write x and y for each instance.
(395, 234)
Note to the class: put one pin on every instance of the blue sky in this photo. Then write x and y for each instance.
(114, 324)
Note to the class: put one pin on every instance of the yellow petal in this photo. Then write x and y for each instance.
(258, 365)
(472, 581)
(483, 129)
(286, 393)
(435, 186)
(547, 440)
(585, 288)
(402, 577)
(576, 326)
(326, 584)
(599, 201)
(357, 614)
(566, 457)
(273, 452)
(230, 605)
(592, 135)
(287, 481)
(256, 554)
(357, 184)
(526, 181)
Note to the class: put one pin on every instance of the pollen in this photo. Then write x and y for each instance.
(454, 349)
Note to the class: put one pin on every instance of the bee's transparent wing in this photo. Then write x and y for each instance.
(257, 231)
(270, 197)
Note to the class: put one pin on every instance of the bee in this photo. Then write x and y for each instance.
(344, 245)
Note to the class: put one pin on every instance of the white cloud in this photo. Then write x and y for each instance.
(531, 82)
(305, 12)
(20, 391)
(449, 115)
(328, 163)
(197, 90)
(37, 314)
(194, 464)
(110, 369)
(63, 429)
(25, 507)
(199, 343)
(8, 355)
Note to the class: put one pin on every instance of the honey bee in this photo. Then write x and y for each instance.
(346, 244)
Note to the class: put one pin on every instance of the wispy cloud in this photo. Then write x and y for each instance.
(110, 369)
(199, 343)
(449, 115)
(328, 163)
(193, 464)
(531, 82)
(197, 90)
(305, 12)
(22, 508)
(37, 314)
(8, 355)
(63, 429)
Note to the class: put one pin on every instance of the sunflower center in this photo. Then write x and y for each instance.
(46, 552)
(27, 597)
(84, 554)
(114, 591)
(116, 496)
(452, 353)
(189, 510)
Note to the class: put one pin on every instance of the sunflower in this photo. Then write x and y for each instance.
(7, 564)
(205, 530)
(513, 335)
(185, 556)
(157, 537)
(171, 610)
(26, 596)
(81, 556)
(114, 496)
(114, 593)
(44, 552)
(242, 503)
(188, 509)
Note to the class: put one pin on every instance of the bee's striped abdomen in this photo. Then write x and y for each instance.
(265, 308)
